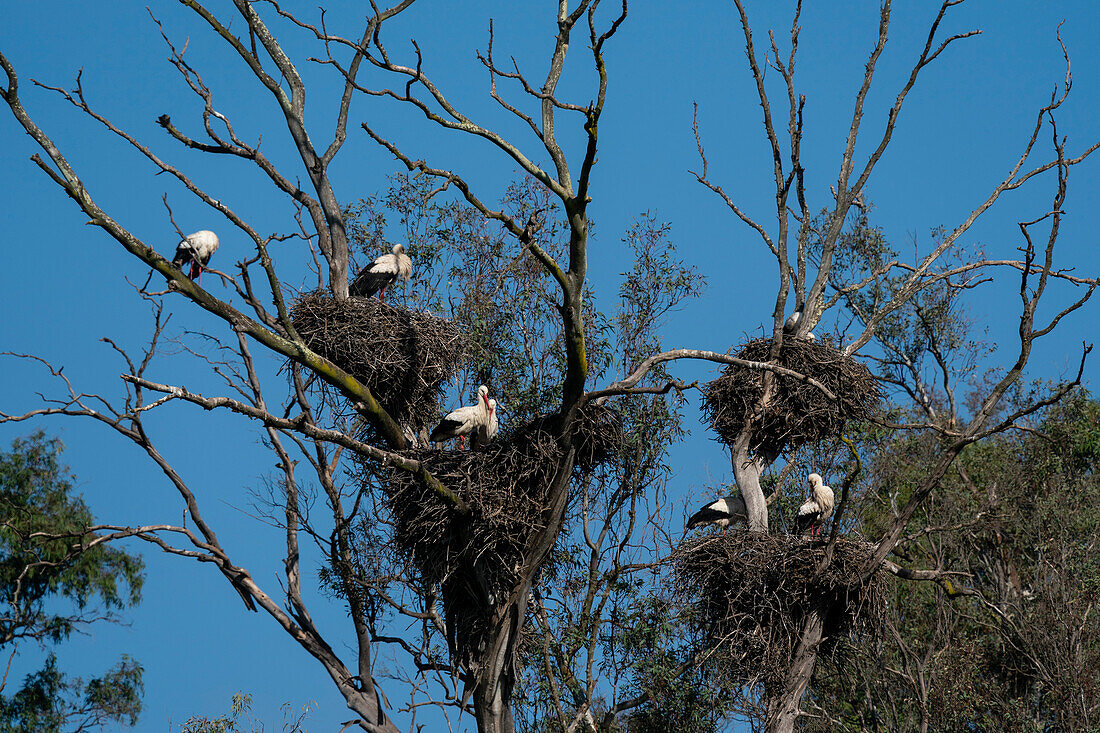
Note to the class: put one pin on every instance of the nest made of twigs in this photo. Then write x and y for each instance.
(403, 357)
(798, 412)
(751, 593)
(476, 557)
(597, 434)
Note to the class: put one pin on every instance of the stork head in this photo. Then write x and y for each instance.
(815, 480)
(483, 394)
(492, 407)
(398, 249)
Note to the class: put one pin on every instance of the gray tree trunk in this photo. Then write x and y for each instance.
(746, 471)
(783, 705)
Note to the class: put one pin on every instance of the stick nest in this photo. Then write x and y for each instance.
(477, 558)
(403, 357)
(752, 591)
(798, 412)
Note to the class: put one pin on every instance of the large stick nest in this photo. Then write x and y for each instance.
(403, 357)
(797, 411)
(477, 558)
(751, 593)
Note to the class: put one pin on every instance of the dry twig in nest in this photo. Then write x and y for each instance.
(404, 358)
(750, 593)
(798, 412)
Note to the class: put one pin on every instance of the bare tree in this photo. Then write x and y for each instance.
(620, 520)
(816, 241)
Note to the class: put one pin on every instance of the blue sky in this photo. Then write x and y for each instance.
(63, 288)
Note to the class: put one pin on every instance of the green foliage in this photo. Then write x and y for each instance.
(239, 720)
(1019, 516)
(678, 696)
(468, 269)
(49, 701)
(43, 528)
(242, 704)
(604, 619)
(35, 496)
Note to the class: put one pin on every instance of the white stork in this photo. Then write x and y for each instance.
(488, 429)
(720, 513)
(196, 249)
(817, 509)
(463, 421)
(792, 324)
(381, 273)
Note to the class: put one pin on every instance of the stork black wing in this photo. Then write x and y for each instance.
(444, 430)
(802, 521)
(183, 256)
(369, 281)
(706, 515)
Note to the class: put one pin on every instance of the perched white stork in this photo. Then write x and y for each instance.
(792, 324)
(196, 249)
(463, 421)
(488, 429)
(817, 509)
(381, 273)
(720, 513)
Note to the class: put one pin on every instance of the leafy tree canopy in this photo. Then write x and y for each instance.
(51, 584)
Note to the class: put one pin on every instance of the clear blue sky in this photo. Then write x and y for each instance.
(63, 289)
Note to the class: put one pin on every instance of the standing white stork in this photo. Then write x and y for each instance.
(463, 421)
(196, 249)
(792, 323)
(381, 273)
(720, 513)
(488, 429)
(817, 509)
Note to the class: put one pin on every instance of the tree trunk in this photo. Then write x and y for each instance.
(746, 471)
(493, 710)
(784, 703)
(495, 677)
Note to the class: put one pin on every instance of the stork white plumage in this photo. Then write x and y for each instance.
(720, 513)
(792, 324)
(380, 274)
(463, 421)
(817, 509)
(196, 249)
(487, 430)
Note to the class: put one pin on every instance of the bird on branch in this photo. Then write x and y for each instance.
(720, 513)
(196, 249)
(465, 420)
(380, 274)
(817, 509)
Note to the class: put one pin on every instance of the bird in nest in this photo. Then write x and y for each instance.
(816, 510)
(792, 324)
(487, 430)
(479, 421)
(196, 250)
(383, 272)
(720, 513)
